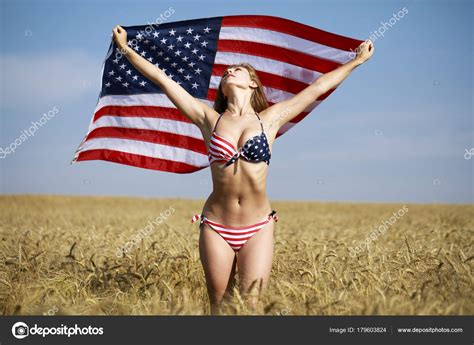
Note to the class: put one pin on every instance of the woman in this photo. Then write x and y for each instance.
(237, 221)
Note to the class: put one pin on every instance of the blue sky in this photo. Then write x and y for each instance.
(395, 130)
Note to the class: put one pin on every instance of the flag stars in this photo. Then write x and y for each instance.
(167, 58)
(196, 37)
(187, 45)
(191, 64)
(179, 38)
(129, 72)
(187, 77)
(107, 84)
(201, 57)
(204, 43)
(194, 85)
(190, 31)
(174, 64)
(207, 29)
(163, 40)
(171, 46)
(153, 47)
(135, 77)
(185, 59)
(115, 61)
(143, 53)
(172, 32)
(155, 34)
(122, 66)
(194, 51)
(125, 84)
(150, 59)
(111, 72)
(160, 53)
(181, 70)
(119, 78)
(177, 53)
(136, 48)
(198, 71)
(142, 83)
(139, 36)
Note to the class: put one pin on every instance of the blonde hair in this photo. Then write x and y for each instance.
(258, 101)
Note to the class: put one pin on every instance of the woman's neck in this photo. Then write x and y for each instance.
(238, 103)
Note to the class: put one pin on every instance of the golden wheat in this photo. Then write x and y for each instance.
(61, 255)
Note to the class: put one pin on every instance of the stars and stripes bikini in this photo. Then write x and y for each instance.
(255, 149)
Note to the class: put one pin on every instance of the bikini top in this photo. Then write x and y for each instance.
(255, 149)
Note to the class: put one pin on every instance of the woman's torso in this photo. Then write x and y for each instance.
(239, 190)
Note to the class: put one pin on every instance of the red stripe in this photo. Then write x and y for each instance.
(142, 111)
(292, 28)
(278, 53)
(138, 161)
(151, 136)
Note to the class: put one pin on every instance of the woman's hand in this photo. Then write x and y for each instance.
(364, 51)
(120, 37)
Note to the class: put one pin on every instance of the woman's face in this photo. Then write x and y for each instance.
(237, 76)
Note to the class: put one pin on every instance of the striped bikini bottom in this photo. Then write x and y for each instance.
(235, 237)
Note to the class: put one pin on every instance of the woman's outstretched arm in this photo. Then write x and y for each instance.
(189, 106)
(280, 113)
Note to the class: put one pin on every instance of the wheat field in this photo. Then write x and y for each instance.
(76, 255)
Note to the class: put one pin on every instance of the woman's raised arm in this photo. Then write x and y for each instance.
(280, 113)
(189, 106)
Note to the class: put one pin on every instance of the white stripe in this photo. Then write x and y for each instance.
(151, 123)
(147, 149)
(283, 40)
(146, 99)
(263, 64)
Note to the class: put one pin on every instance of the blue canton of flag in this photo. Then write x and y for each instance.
(184, 50)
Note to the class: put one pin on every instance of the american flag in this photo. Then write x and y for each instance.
(134, 123)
